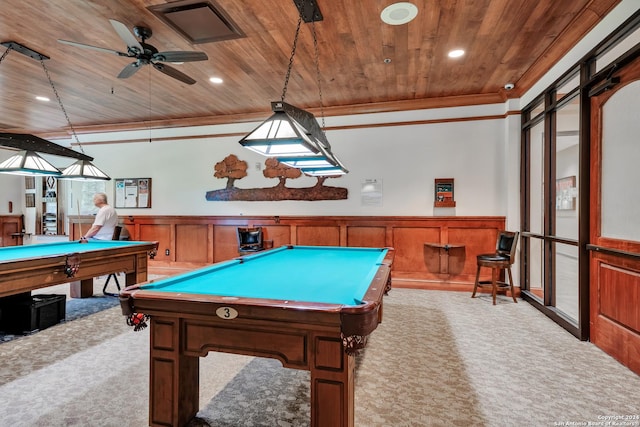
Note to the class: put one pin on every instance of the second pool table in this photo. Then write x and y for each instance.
(310, 307)
(24, 268)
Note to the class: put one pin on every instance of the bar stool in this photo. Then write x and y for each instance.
(502, 259)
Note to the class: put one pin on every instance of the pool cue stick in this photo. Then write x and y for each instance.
(79, 222)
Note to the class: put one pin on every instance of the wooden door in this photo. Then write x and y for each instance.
(615, 218)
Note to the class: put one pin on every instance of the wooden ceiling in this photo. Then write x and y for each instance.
(506, 41)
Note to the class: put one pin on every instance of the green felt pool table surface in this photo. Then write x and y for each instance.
(319, 274)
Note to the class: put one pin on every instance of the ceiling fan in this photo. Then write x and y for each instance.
(146, 54)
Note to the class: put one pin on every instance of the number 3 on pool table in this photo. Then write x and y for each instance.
(227, 313)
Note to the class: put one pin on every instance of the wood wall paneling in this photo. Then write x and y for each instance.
(367, 237)
(190, 244)
(476, 241)
(279, 235)
(225, 242)
(318, 235)
(411, 255)
(11, 226)
(199, 240)
(161, 234)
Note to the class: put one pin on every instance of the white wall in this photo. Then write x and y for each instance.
(406, 159)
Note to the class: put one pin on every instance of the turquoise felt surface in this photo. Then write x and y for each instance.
(14, 253)
(323, 274)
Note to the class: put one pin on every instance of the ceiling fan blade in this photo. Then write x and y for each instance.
(172, 72)
(180, 56)
(129, 70)
(86, 46)
(126, 35)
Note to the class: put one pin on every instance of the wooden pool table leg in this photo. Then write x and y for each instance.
(174, 378)
(332, 384)
(81, 288)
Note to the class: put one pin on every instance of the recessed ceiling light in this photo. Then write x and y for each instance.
(457, 53)
(216, 80)
(43, 98)
(399, 13)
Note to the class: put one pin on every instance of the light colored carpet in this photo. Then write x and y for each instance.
(438, 359)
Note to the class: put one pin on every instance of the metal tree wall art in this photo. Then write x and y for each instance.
(234, 169)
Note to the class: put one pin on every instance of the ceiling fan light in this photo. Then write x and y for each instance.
(28, 163)
(84, 170)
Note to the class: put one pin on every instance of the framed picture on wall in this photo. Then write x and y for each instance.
(133, 192)
(444, 193)
(30, 182)
(30, 200)
(566, 193)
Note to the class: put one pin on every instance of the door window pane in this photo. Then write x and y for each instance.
(570, 85)
(536, 162)
(536, 268)
(620, 204)
(537, 110)
(567, 178)
(81, 196)
(566, 280)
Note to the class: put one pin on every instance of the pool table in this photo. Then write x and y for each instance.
(24, 268)
(311, 307)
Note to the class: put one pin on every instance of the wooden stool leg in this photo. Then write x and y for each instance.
(494, 283)
(513, 293)
(475, 286)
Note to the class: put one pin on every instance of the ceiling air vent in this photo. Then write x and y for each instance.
(197, 21)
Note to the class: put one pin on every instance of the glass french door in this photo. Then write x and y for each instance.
(551, 183)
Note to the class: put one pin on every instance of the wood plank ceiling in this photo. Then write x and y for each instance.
(506, 41)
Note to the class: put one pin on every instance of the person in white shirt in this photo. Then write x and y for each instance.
(105, 222)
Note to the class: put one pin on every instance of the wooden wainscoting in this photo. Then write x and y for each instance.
(11, 227)
(192, 241)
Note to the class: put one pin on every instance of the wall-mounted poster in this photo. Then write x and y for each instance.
(133, 192)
